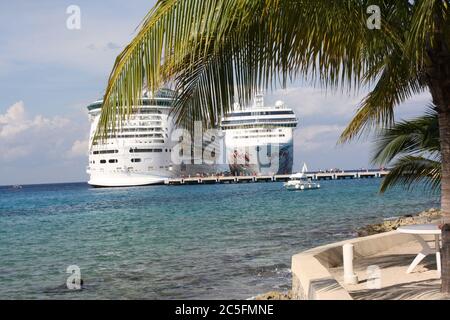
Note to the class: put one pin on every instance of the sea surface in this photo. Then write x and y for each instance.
(177, 242)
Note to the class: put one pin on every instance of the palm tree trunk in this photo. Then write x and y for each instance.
(439, 84)
(444, 135)
(437, 73)
(444, 132)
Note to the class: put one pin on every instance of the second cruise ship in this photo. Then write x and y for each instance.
(259, 138)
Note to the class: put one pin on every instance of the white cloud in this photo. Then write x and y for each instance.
(79, 148)
(14, 152)
(414, 106)
(15, 121)
(324, 115)
(93, 48)
(310, 101)
(314, 137)
(12, 122)
(22, 135)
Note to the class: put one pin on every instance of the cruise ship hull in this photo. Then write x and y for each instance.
(254, 160)
(125, 180)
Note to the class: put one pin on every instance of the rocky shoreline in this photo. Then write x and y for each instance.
(427, 216)
(274, 295)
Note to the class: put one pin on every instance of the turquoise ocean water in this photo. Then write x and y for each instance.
(173, 242)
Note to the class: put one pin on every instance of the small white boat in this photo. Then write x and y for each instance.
(299, 181)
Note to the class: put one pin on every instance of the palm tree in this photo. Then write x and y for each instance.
(217, 51)
(412, 148)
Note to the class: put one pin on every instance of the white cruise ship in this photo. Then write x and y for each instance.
(139, 152)
(147, 148)
(259, 139)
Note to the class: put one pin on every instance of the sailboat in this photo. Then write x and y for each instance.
(299, 181)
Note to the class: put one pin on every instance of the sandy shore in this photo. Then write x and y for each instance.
(427, 216)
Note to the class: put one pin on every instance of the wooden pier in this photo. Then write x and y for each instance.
(357, 174)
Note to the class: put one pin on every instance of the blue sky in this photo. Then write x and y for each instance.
(48, 74)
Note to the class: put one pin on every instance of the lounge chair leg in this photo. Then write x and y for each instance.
(438, 262)
(416, 261)
(438, 254)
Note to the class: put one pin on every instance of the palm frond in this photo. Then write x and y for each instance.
(172, 31)
(429, 17)
(276, 39)
(262, 44)
(412, 150)
(398, 82)
(410, 170)
(417, 136)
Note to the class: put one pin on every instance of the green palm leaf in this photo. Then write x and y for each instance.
(265, 43)
(420, 135)
(412, 149)
(409, 170)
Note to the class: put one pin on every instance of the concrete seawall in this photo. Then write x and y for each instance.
(311, 278)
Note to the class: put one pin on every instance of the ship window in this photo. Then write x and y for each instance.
(135, 135)
(151, 102)
(261, 113)
(102, 161)
(136, 160)
(136, 150)
(105, 151)
(113, 161)
(253, 121)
